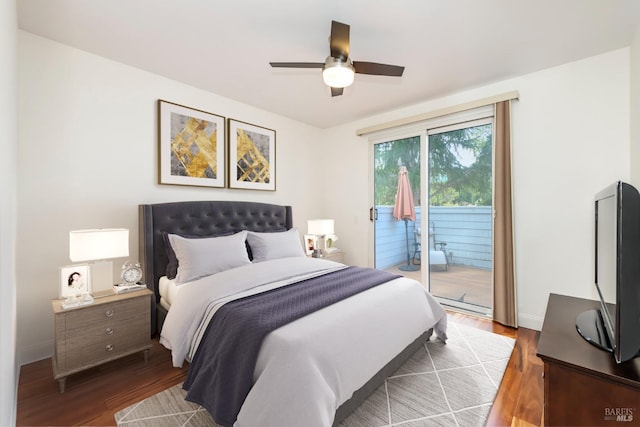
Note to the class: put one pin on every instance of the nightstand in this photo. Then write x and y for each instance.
(334, 256)
(114, 326)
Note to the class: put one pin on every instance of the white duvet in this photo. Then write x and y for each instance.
(308, 368)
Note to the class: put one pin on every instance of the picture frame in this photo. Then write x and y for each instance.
(310, 243)
(252, 156)
(75, 280)
(191, 146)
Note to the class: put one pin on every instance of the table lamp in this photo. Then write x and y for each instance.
(99, 245)
(322, 228)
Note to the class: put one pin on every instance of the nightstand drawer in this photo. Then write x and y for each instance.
(105, 314)
(93, 345)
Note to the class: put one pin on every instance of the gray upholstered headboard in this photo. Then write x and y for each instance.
(197, 218)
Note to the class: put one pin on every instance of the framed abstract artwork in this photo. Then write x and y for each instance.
(191, 146)
(252, 156)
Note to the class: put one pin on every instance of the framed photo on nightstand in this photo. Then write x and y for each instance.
(75, 280)
(310, 243)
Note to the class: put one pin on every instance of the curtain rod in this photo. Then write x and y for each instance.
(441, 112)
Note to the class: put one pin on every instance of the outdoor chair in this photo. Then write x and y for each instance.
(437, 250)
(417, 246)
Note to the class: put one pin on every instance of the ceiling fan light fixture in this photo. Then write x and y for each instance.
(337, 73)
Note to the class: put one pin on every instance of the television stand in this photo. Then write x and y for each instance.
(583, 385)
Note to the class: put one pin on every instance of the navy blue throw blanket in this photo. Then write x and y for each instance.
(221, 372)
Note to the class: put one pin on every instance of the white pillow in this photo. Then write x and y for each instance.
(266, 246)
(204, 257)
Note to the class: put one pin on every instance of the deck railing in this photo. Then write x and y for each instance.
(465, 229)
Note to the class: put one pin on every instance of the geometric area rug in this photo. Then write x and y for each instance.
(452, 384)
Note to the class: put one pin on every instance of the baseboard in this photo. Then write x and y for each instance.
(36, 352)
(530, 322)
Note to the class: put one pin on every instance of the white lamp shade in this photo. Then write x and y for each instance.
(338, 73)
(320, 227)
(98, 244)
(338, 76)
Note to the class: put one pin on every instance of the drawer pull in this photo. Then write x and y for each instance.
(108, 313)
(108, 331)
(109, 347)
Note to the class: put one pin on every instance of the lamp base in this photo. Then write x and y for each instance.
(101, 276)
(409, 267)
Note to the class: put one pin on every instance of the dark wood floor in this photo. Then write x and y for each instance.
(92, 397)
(520, 398)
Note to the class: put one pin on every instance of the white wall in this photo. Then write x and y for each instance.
(88, 157)
(570, 139)
(8, 178)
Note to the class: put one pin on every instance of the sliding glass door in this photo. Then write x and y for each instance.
(396, 231)
(460, 161)
(447, 242)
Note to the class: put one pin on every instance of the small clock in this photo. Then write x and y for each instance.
(131, 273)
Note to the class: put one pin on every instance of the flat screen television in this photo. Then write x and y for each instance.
(615, 326)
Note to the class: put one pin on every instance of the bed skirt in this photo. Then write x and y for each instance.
(360, 395)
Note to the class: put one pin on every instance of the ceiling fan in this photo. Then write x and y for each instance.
(338, 69)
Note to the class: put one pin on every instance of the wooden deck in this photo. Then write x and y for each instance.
(459, 283)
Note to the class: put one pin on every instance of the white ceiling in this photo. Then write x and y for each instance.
(225, 46)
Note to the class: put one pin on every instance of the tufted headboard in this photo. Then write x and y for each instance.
(197, 218)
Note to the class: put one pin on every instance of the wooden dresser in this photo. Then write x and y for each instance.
(583, 385)
(112, 327)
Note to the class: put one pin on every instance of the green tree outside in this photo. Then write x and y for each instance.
(389, 156)
(459, 167)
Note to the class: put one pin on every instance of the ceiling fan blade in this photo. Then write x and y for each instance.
(336, 91)
(339, 40)
(378, 69)
(297, 64)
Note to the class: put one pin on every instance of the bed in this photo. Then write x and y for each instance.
(324, 364)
